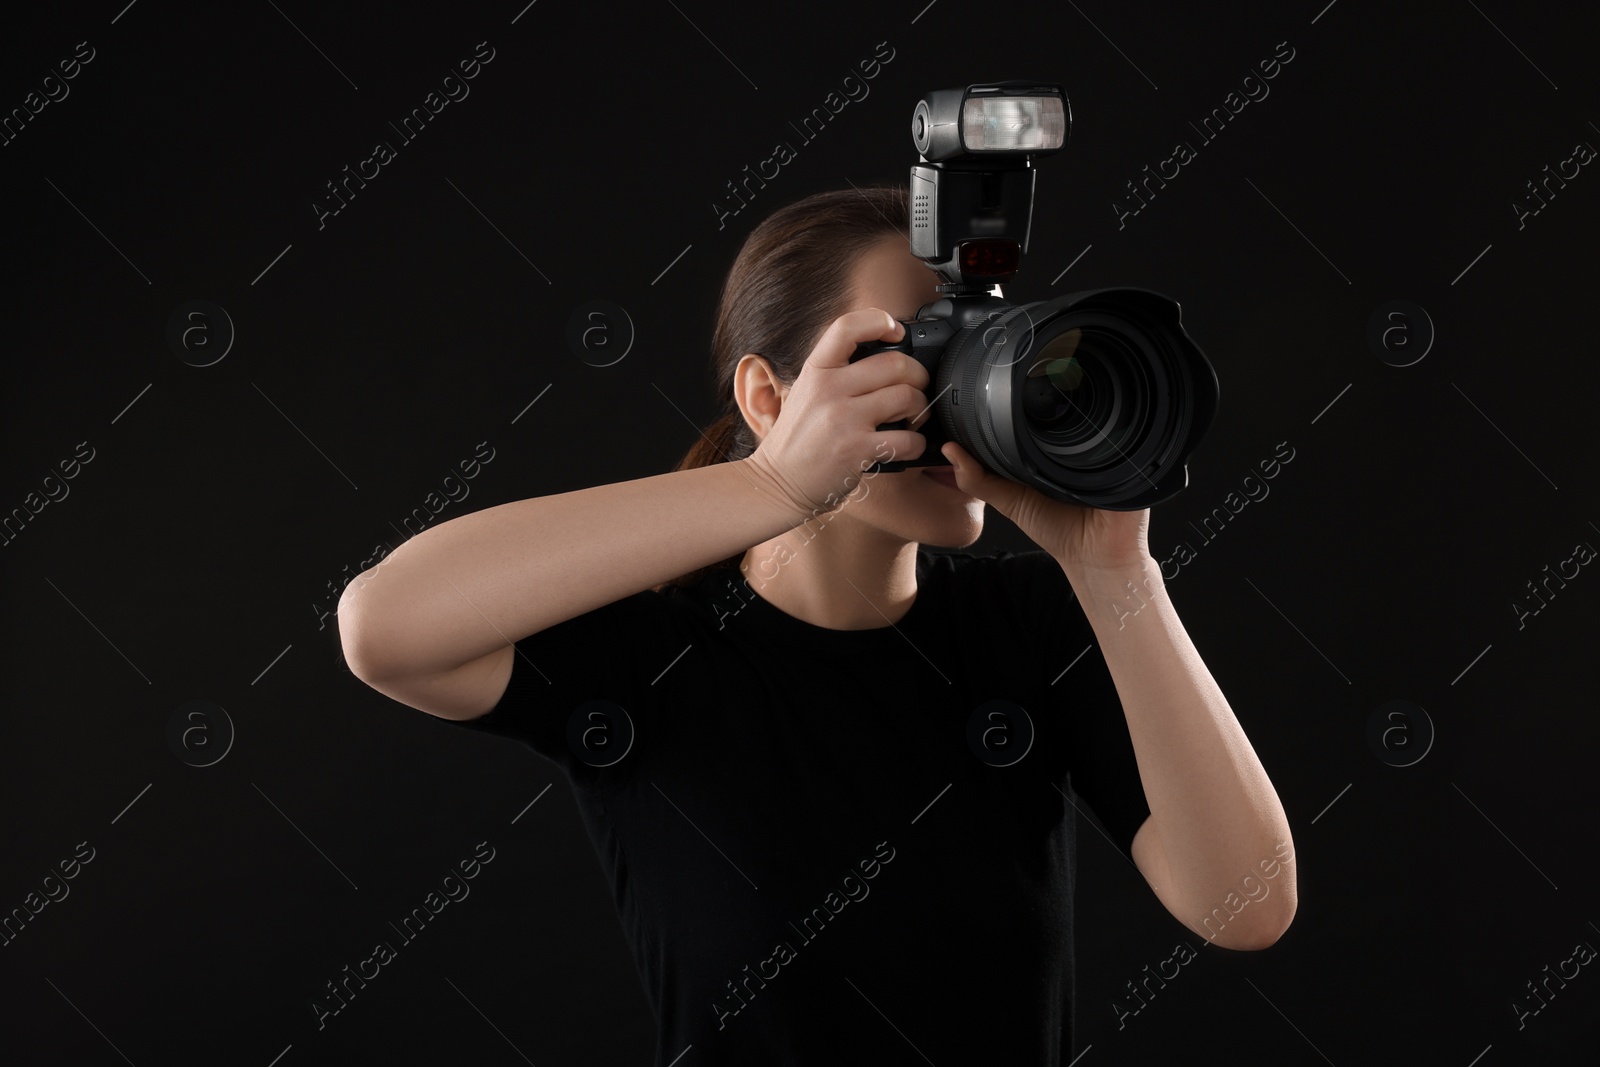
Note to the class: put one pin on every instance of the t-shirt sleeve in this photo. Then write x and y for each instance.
(1079, 696)
(568, 680)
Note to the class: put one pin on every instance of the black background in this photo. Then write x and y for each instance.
(193, 556)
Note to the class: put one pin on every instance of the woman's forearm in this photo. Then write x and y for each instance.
(460, 590)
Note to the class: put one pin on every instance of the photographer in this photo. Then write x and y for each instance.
(725, 773)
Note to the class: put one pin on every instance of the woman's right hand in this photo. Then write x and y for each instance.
(826, 433)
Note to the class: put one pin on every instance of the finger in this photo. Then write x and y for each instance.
(958, 458)
(899, 445)
(970, 474)
(892, 403)
(838, 342)
(881, 369)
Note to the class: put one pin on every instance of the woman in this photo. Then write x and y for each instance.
(826, 771)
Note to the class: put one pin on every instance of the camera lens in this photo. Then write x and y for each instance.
(1096, 397)
(1085, 399)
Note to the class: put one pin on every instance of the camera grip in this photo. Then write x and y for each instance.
(862, 351)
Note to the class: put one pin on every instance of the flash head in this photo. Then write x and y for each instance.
(972, 190)
(1020, 119)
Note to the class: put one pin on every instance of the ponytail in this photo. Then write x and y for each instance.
(720, 442)
(724, 441)
(783, 289)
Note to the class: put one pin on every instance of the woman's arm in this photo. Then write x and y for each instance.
(1216, 825)
(434, 623)
(448, 598)
(1215, 818)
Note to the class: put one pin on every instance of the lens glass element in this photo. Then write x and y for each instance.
(1086, 398)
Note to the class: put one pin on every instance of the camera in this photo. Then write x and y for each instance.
(1095, 398)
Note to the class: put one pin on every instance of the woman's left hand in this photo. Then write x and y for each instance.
(1079, 537)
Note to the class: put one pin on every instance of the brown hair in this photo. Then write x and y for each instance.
(784, 288)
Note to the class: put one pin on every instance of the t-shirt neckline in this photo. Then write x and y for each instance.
(920, 607)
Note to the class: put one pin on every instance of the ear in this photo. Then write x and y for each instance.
(759, 393)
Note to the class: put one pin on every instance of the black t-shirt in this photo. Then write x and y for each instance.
(822, 844)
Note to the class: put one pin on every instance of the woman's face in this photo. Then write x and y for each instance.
(907, 504)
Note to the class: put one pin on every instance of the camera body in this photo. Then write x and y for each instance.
(1094, 398)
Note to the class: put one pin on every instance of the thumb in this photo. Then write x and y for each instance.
(1029, 509)
(974, 480)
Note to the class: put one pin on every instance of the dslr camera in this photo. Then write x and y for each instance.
(1095, 398)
